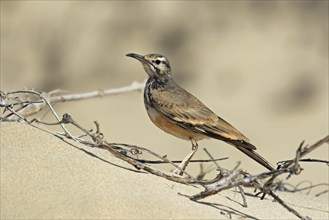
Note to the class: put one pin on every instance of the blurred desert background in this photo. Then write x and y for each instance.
(261, 65)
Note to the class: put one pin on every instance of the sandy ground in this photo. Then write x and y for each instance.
(261, 65)
(43, 177)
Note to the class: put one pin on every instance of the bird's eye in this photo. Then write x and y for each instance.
(157, 62)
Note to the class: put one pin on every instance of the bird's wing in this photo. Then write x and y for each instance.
(189, 112)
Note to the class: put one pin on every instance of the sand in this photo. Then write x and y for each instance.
(43, 177)
(261, 66)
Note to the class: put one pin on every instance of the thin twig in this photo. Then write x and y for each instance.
(33, 107)
(211, 157)
(307, 160)
(179, 161)
(243, 195)
(278, 199)
(226, 179)
(320, 193)
(43, 97)
(134, 86)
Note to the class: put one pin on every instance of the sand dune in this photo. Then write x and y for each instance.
(42, 177)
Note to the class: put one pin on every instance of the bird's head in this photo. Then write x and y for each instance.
(155, 65)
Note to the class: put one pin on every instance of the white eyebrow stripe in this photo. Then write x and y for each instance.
(162, 58)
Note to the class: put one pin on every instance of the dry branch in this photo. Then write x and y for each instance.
(19, 108)
(28, 108)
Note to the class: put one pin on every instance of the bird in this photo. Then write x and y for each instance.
(179, 113)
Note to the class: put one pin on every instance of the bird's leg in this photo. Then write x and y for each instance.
(187, 159)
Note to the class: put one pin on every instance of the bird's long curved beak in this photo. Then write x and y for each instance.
(138, 57)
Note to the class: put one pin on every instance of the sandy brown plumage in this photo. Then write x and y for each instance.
(181, 114)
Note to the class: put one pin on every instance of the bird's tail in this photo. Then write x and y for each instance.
(247, 148)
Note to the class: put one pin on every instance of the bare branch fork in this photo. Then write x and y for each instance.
(225, 180)
(19, 108)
